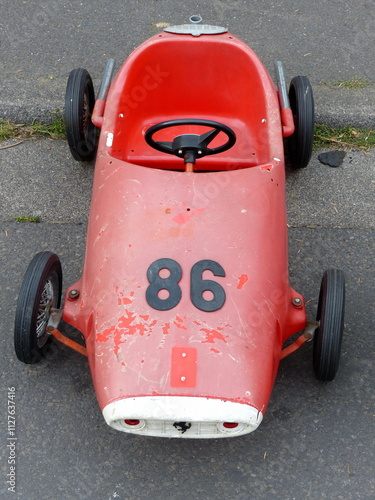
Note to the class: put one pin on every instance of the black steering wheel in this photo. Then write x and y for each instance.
(191, 146)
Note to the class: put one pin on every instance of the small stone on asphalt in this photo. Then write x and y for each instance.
(332, 158)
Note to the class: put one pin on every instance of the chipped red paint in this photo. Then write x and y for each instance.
(166, 328)
(124, 301)
(267, 168)
(212, 335)
(106, 335)
(179, 323)
(242, 280)
(128, 324)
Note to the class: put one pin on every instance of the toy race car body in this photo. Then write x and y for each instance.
(184, 302)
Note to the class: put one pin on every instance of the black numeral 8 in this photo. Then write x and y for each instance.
(170, 284)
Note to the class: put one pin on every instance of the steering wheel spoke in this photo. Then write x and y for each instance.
(208, 137)
(165, 145)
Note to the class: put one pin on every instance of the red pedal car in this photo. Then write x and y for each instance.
(184, 302)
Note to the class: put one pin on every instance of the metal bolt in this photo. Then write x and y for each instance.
(183, 379)
(297, 302)
(183, 354)
(73, 294)
(180, 151)
(199, 152)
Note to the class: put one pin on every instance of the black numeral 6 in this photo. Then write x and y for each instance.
(198, 286)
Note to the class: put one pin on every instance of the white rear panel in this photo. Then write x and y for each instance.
(179, 416)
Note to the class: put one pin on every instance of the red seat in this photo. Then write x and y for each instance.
(213, 77)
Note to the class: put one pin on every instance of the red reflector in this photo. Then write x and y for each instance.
(230, 425)
(132, 422)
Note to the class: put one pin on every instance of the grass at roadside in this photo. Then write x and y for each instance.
(53, 130)
(345, 137)
(354, 84)
(26, 218)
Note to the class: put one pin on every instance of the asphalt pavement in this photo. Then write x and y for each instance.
(316, 440)
(41, 42)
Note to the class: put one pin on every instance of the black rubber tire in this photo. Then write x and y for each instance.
(41, 286)
(300, 143)
(328, 337)
(79, 104)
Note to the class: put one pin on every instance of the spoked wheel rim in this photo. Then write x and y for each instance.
(47, 300)
(86, 117)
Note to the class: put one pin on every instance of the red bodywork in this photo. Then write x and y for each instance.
(230, 210)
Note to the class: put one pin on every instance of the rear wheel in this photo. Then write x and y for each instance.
(40, 292)
(79, 104)
(300, 143)
(328, 337)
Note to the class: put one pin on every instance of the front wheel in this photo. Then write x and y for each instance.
(40, 292)
(328, 336)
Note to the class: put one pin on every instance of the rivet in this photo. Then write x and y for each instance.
(180, 151)
(183, 379)
(297, 302)
(183, 354)
(73, 294)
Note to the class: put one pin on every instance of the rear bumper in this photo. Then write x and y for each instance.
(179, 416)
